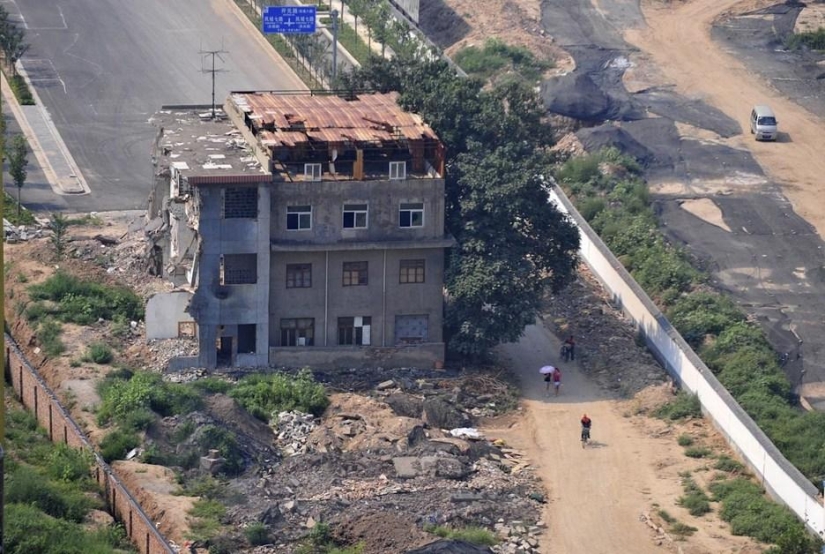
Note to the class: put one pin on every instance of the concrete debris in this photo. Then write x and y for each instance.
(292, 431)
(466, 433)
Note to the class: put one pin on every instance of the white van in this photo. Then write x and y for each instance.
(763, 123)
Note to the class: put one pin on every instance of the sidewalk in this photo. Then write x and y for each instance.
(48, 147)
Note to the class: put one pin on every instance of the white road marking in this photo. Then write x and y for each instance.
(62, 18)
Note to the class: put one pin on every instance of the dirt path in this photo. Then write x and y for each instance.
(599, 497)
(596, 495)
(677, 38)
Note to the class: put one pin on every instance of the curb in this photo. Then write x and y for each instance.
(58, 186)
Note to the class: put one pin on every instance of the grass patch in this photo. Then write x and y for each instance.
(682, 530)
(815, 40)
(694, 500)
(666, 517)
(698, 452)
(117, 444)
(497, 57)
(353, 44)
(728, 464)
(684, 406)
(472, 534)
(21, 90)
(48, 333)
(263, 395)
(74, 300)
(685, 440)
(257, 534)
(130, 399)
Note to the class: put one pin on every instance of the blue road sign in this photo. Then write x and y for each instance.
(289, 19)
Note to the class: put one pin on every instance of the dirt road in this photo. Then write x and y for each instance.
(597, 494)
(677, 38)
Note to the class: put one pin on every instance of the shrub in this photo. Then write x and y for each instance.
(26, 486)
(682, 530)
(698, 452)
(21, 90)
(496, 56)
(211, 385)
(99, 353)
(666, 517)
(584, 169)
(257, 534)
(685, 440)
(117, 444)
(263, 395)
(702, 313)
(122, 398)
(685, 405)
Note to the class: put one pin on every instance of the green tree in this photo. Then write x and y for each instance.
(59, 224)
(18, 164)
(513, 245)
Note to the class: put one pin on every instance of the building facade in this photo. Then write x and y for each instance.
(309, 230)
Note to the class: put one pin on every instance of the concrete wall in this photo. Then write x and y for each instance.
(409, 7)
(382, 298)
(216, 305)
(779, 477)
(38, 398)
(327, 199)
(420, 355)
(163, 313)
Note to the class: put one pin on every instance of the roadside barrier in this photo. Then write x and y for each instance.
(778, 476)
(37, 397)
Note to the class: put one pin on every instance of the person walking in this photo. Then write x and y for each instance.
(557, 380)
(570, 349)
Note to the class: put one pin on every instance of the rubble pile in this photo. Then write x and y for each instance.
(21, 233)
(292, 430)
(606, 347)
(163, 350)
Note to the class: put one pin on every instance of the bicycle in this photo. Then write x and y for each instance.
(565, 353)
(585, 436)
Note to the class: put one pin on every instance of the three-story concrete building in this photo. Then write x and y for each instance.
(301, 230)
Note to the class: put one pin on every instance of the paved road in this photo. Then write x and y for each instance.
(103, 67)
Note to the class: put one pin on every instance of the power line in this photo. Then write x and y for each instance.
(214, 71)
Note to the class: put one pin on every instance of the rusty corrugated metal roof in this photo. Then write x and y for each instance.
(290, 119)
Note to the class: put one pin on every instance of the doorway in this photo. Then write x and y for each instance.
(224, 352)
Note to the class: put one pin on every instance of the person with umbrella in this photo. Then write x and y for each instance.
(550, 373)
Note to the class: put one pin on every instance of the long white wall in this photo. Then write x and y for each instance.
(779, 477)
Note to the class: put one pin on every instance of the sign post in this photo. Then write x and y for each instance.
(300, 20)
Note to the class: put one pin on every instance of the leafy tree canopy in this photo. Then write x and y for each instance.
(513, 245)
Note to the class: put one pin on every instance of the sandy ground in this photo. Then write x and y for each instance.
(600, 497)
(677, 39)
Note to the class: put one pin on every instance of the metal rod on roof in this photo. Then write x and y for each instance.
(213, 71)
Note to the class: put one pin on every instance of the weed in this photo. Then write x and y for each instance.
(684, 406)
(48, 332)
(685, 440)
(682, 530)
(257, 534)
(68, 464)
(99, 353)
(21, 278)
(475, 535)
(694, 500)
(815, 40)
(666, 517)
(262, 395)
(497, 57)
(207, 516)
(726, 463)
(698, 452)
(84, 302)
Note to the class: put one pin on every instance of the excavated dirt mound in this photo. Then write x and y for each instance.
(382, 532)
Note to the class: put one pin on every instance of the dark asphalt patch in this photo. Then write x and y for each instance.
(772, 262)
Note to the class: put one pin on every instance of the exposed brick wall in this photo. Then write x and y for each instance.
(38, 398)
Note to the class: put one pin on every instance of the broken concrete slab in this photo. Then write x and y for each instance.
(406, 467)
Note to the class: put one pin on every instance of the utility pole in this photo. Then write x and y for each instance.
(214, 54)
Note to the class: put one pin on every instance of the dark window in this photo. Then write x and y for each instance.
(297, 332)
(355, 216)
(246, 339)
(240, 203)
(354, 330)
(411, 271)
(355, 273)
(298, 276)
(298, 218)
(411, 215)
(239, 269)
